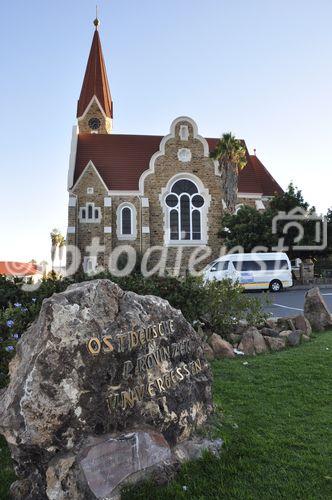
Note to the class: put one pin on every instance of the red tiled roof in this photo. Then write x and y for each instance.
(269, 185)
(9, 268)
(95, 81)
(121, 159)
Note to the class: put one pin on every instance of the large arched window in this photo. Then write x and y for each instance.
(185, 204)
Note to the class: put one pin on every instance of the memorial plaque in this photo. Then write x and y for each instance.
(107, 464)
(98, 362)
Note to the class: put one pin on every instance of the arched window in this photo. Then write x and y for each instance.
(185, 205)
(126, 217)
(126, 222)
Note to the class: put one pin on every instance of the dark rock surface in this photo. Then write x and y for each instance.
(99, 361)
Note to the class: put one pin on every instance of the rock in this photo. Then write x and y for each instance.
(194, 449)
(21, 489)
(208, 351)
(285, 334)
(259, 343)
(301, 323)
(294, 338)
(275, 344)
(269, 332)
(103, 379)
(285, 324)
(252, 343)
(305, 338)
(221, 348)
(316, 310)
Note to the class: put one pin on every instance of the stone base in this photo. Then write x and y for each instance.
(108, 463)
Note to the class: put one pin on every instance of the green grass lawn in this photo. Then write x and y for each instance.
(277, 428)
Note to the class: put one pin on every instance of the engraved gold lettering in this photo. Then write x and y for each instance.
(133, 340)
(94, 346)
(107, 342)
(155, 331)
(198, 366)
(160, 384)
(178, 371)
(127, 368)
(187, 372)
(140, 389)
(173, 377)
(161, 329)
(151, 390)
(171, 325)
(142, 337)
(122, 339)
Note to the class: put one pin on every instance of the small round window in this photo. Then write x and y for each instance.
(197, 201)
(171, 200)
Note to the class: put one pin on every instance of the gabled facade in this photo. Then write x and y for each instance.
(146, 191)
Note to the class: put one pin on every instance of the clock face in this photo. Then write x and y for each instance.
(94, 123)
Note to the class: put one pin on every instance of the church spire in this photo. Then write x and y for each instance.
(95, 83)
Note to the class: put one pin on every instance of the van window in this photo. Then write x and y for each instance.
(260, 265)
(219, 266)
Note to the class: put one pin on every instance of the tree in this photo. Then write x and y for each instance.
(55, 237)
(251, 228)
(248, 228)
(290, 199)
(61, 245)
(231, 155)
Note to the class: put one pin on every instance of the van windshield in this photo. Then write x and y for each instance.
(260, 265)
(219, 266)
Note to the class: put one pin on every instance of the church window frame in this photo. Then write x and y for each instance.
(185, 203)
(124, 210)
(90, 214)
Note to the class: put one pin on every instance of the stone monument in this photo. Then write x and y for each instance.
(106, 387)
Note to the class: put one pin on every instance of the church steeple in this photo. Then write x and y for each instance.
(95, 106)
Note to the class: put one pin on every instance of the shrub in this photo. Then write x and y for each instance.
(226, 304)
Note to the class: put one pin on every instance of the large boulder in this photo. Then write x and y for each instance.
(221, 348)
(316, 310)
(103, 385)
(252, 342)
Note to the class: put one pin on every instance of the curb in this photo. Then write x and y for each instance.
(307, 287)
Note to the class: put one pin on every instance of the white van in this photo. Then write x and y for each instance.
(254, 271)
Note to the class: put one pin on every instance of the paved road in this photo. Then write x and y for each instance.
(290, 303)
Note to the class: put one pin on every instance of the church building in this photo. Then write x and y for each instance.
(146, 190)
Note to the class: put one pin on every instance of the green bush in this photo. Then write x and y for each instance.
(226, 304)
(219, 304)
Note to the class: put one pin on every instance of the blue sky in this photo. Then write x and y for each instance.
(261, 69)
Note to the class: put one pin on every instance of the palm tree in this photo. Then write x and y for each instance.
(231, 155)
(55, 235)
(61, 245)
